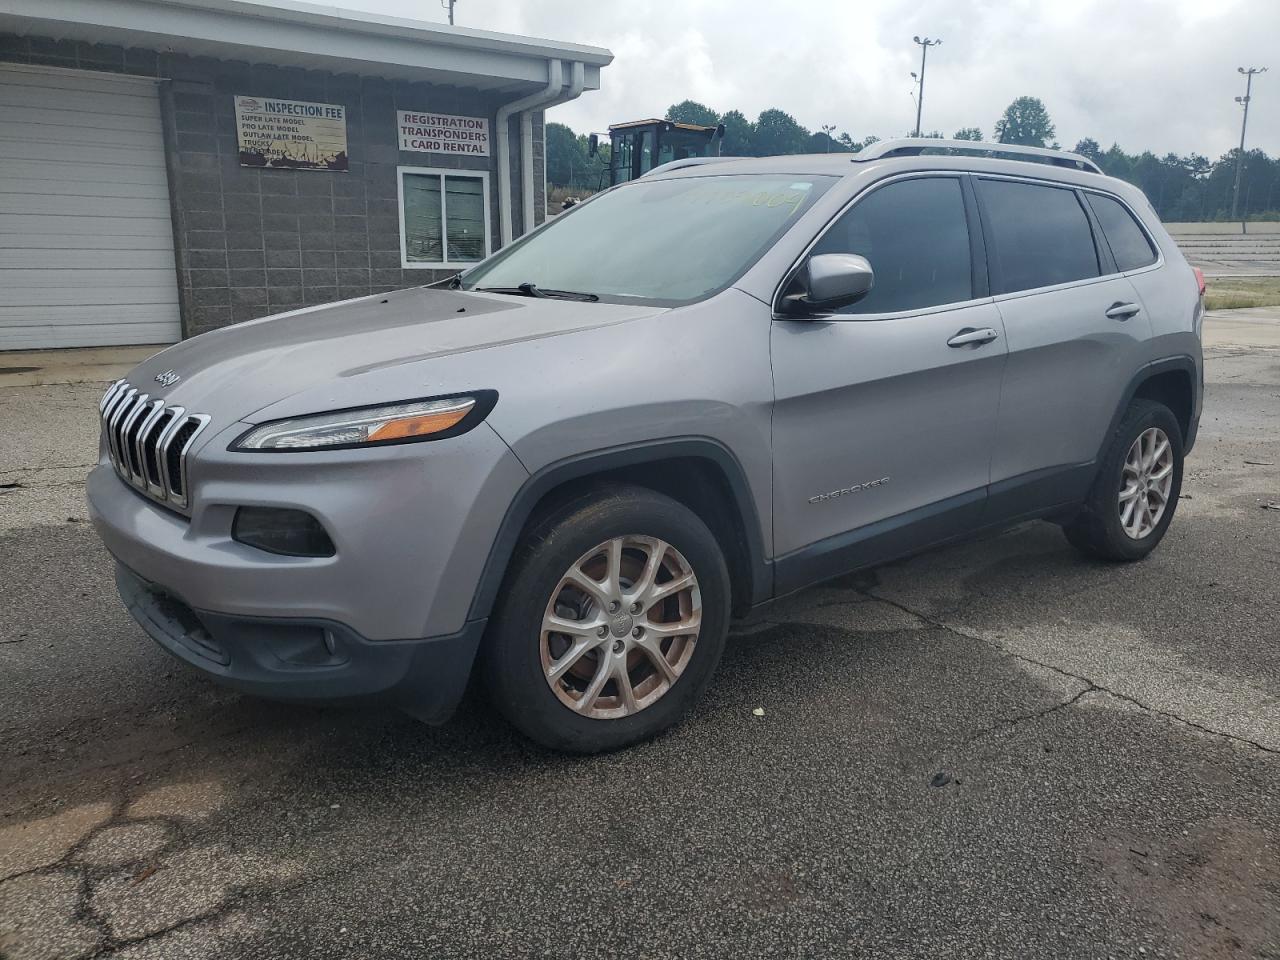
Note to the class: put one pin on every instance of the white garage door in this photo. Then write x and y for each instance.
(86, 243)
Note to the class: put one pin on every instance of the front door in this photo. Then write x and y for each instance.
(884, 416)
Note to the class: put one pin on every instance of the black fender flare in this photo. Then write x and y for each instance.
(1183, 363)
(581, 466)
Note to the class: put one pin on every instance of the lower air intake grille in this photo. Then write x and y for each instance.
(148, 442)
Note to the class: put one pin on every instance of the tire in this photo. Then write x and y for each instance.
(520, 653)
(1099, 530)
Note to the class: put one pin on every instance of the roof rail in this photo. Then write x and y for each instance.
(685, 162)
(914, 146)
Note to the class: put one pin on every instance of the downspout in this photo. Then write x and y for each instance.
(577, 81)
(555, 82)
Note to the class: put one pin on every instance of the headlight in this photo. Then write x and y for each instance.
(372, 426)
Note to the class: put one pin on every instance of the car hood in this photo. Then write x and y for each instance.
(233, 372)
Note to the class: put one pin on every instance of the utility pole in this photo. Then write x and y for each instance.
(1244, 124)
(925, 44)
(828, 129)
(448, 5)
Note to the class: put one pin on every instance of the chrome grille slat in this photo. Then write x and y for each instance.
(113, 425)
(126, 436)
(140, 434)
(109, 396)
(162, 447)
(154, 411)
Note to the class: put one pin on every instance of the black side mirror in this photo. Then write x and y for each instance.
(828, 282)
(593, 144)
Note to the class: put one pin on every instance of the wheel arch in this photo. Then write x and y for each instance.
(1170, 381)
(699, 472)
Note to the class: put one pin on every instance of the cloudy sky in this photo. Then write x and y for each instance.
(1149, 74)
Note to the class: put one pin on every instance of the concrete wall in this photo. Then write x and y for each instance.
(251, 242)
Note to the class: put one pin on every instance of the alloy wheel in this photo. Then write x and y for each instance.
(1146, 481)
(620, 627)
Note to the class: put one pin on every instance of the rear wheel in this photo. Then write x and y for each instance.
(611, 622)
(1136, 492)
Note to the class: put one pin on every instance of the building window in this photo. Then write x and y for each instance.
(444, 217)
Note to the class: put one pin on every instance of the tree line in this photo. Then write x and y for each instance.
(1181, 188)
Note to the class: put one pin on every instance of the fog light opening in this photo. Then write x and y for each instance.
(279, 530)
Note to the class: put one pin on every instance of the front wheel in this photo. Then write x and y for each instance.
(611, 622)
(1134, 497)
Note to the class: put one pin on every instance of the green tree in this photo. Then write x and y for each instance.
(820, 142)
(690, 111)
(846, 141)
(778, 133)
(1116, 163)
(1025, 121)
(1088, 147)
(739, 132)
(566, 157)
(967, 133)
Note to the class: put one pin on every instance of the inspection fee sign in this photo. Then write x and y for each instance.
(293, 134)
(443, 133)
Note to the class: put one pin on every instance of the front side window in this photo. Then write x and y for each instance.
(444, 217)
(1128, 241)
(664, 241)
(916, 238)
(1040, 235)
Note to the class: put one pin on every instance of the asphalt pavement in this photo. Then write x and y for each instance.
(999, 749)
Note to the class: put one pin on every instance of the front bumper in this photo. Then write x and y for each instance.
(412, 525)
(294, 659)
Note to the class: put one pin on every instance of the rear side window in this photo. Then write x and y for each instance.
(915, 236)
(1128, 241)
(1040, 235)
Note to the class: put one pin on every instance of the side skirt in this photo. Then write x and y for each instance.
(1028, 497)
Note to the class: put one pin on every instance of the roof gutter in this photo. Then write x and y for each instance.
(576, 82)
(555, 82)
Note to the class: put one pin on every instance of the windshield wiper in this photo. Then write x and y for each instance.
(533, 290)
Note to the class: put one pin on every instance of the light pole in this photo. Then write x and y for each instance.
(448, 5)
(1244, 102)
(925, 44)
(828, 129)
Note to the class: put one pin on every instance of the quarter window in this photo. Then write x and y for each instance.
(1040, 235)
(444, 217)
(1128, 241)
(916, 238)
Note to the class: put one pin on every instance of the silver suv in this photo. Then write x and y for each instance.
(567, 468)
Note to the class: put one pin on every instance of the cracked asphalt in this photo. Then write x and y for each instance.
(994, 750)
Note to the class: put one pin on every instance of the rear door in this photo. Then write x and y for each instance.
(883, 420)
(1076, 331)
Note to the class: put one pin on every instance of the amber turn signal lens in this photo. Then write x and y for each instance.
(420, 425)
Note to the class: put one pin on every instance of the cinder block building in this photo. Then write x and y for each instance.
(168, 167)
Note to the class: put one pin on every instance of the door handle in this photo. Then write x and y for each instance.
(1123, 311)
(969, 336)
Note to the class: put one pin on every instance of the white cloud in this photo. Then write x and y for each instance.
(1149, 74)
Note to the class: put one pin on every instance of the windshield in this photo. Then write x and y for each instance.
(670, 241)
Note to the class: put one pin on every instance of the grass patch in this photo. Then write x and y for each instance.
(1229, 293)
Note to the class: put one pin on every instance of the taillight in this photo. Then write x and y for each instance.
(1199, 279)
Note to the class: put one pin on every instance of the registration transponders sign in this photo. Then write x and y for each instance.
(443, 133)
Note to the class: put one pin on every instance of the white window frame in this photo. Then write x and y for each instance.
(442, 172)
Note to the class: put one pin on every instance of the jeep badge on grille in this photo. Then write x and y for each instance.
(168, 378)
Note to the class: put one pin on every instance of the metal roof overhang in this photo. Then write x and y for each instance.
(307, 35)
